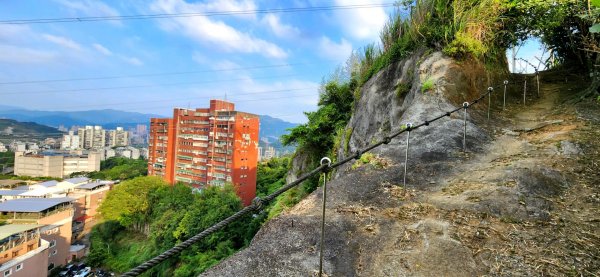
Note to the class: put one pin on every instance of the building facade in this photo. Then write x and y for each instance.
(22, 251)
(206, 146)
(70, 141)
(92, 137)
(56, 165)
(118, 137)
(56, 216)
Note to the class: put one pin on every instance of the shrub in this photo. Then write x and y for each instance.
(402, 89)
(463, 45)
(428, 85)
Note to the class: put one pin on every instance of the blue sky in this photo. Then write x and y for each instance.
(279, 59)
(267, 63)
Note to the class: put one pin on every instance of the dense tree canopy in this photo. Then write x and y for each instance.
(145, 216)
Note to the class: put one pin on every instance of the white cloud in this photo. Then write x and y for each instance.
(132, 60)
(336, 51)
(364, 23)
(213, 32)
(280, 29)
(89, 7)
(24, 55)
(102, 49)
(62, 41)
(13, 33)
(199, 58)
(226, 65)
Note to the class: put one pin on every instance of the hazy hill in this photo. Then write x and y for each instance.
(107, 118)
(272, 128)
(9, 127)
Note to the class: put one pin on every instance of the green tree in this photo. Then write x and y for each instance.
(129, 202)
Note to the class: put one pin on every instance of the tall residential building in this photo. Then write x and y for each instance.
(206, 146)
(92, 137)
(70, 141)
(118, 137)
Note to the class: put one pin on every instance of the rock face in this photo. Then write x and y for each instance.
(412, 91)
(455, 204)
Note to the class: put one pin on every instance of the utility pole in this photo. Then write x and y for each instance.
(514, 59)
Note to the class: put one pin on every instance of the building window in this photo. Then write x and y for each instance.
(54, 252)
(53, 243)
(7, 272)
(19, 267)
(50, 266)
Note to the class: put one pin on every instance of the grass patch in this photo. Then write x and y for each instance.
(402, 89)
(371, 159)
(428, 85)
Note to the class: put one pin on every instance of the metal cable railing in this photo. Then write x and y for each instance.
(258, 204)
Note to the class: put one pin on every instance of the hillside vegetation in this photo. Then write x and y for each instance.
(144, 216)
(12, 128)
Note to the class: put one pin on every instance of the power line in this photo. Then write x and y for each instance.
(199, 97)
(154, 74)
(180, 15)
(143, 86)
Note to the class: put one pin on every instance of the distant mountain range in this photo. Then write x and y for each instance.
(270, 128)
(106, 118)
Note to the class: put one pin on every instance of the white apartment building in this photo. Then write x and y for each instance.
(70, 141)
(92, 137)
(118, 137)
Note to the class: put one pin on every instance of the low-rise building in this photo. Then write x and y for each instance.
(55, 164)
(3, 148)
(56, 214)
(87, 201)
(18, 146)
(22, 250)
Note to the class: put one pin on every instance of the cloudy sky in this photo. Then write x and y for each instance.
(267, 63)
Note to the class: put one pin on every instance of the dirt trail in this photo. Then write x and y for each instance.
(527, 206)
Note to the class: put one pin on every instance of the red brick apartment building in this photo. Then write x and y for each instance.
(206, 146)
